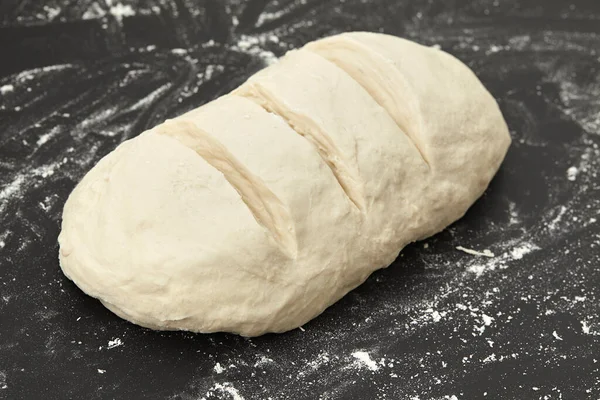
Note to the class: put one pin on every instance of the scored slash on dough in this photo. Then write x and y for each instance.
(267, 208)
(307, 128)
(337, 50)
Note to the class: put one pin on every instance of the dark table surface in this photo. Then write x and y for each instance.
(79, 77)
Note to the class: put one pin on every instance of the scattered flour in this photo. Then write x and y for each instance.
(518, 252)
(218, 368)
(484, 253)
(502, 261)
(572, 173)
(114, 343)
(47, 136)
(252, 45)
(487, 320)
(94, 12)
(363, 359)
(267, 16)
(321, 359)
(514, 215)
(587, 329)
(3, 384)
(6, 88)
(30, 74)
(553, 224)
(223, 389)
(12, 189)
(478, 269)
(436, 316)
(263, 361)
(119, 10)
(51, 12)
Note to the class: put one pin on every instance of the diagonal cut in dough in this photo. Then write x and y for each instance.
(266, 207)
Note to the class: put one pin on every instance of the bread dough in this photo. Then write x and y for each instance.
(255, 212)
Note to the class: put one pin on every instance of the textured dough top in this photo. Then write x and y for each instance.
(255, 212)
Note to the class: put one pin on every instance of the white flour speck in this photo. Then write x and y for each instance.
(210, 70)
(572, 173)
(44, 138)
(363, 358)
(13, 188)
(267, 16)
(585, 327)
(263, 360)
(485, 253)
(552, 225)
(514, 215)
(252, 45)
(487, 320)
(494, 49)
(114, 343)
(3, 384)
(144, 101)
(119, 11)
(51, 12)
(556, 336)
(218, 369)
(101, 371)
(94, 12)
(478, 269)
(6, 88)
(224, 388)
(518, 252)
(314, 364)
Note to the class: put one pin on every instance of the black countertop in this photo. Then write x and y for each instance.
(79, 77)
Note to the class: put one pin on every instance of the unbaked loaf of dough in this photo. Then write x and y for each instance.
(255, 212)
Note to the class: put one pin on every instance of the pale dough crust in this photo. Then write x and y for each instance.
(255, 212)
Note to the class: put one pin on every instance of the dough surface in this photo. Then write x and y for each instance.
(255, 212)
